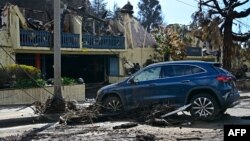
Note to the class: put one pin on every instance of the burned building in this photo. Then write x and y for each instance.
(96, 55)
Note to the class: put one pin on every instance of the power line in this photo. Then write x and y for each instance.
(196, 0)
(186, 3)
(244, 24)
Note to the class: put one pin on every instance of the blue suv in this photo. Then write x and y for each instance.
(206, 85)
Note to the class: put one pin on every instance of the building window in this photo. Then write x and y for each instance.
(114, 66)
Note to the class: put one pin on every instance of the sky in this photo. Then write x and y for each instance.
(177, 11)
(172, 10)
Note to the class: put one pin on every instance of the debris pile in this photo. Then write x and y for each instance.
(89, 112)
(163, 115)
(51, 106)
(159, 115)
(73, 112)
(147, 137)
(84, 115)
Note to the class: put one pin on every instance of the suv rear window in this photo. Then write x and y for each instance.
(220, 69)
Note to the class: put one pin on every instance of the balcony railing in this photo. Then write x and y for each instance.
(35, 38)
(103, 42)
(45, 39)
(70, 40)
(32, 38)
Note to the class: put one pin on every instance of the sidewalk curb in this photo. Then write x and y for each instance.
(29, 120)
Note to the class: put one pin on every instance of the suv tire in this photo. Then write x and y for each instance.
(204, 107)
(112, 104)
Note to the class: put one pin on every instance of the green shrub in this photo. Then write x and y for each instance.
(3, 76)
(29, 83)
(23, 71)
(68, 81)
(19, 76)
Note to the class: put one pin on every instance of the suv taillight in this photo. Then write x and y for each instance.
(223, 78)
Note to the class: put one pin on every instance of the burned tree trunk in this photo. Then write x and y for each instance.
(227, 10)
(227, 44)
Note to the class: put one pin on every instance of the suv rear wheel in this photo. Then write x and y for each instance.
(204, 107)
(112, 104)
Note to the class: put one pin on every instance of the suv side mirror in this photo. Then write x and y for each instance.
(132, 81)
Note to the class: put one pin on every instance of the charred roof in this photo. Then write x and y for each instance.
(128, 8)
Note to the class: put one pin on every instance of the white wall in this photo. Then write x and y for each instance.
(5, 59)
(4, 38)
(76, 26)
(28, 96)
(14, 29)
(136, 55)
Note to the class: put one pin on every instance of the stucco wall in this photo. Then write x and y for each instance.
(14, 29)
(28, 96)
(5, 59)
(135, 55)
(113, 79)
(4, 38)
(5, 45)
(76, 26)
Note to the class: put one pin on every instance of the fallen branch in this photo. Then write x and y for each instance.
(194, 138)
(176, 111)
(148, 137)
(158, 122)
(125, 126)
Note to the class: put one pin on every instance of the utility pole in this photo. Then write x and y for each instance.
(57, 103)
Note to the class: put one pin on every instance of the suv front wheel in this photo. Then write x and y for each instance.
(113, 104)
(204, 107)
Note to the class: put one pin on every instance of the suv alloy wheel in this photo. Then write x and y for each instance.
(204, 107)
(113, 104)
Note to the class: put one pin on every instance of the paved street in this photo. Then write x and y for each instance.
(197, 130)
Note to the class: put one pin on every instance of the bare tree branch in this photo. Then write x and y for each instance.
(206, 2)
(215, 6)
(226, 3)
(241, 14)
(211, 6)
(227, 13)
(218, 8)
(222, 28)
(241, 37)
(239, 4)
(232, 1)
(213, 12)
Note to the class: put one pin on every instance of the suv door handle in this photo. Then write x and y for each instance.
(185, 81)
